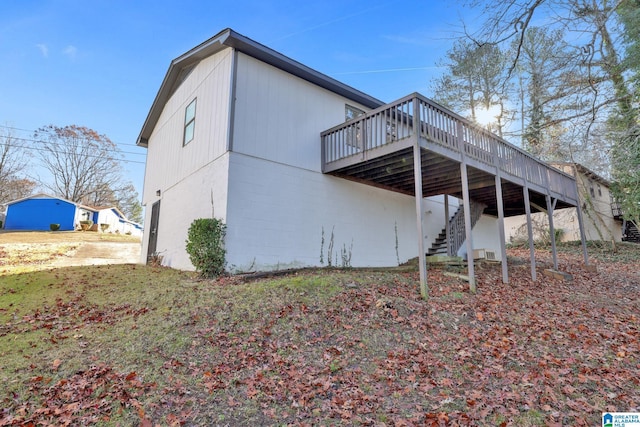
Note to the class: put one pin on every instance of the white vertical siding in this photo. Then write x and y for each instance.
(210, 83)
(279, 117)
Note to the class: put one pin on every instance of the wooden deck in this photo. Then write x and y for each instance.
(377, 149)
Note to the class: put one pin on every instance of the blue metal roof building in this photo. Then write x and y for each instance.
(37, 212)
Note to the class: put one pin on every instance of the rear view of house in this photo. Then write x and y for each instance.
(307, 171)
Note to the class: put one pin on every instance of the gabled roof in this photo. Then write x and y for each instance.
(40, 196)
(228, 38)
(584, 171)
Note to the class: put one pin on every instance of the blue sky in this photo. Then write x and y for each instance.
(100, 63)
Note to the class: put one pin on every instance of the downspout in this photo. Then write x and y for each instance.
(232, 99)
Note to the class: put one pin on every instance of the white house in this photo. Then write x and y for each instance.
(114, 221)
(603, 219)
(305, 169)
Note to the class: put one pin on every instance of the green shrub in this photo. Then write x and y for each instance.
(54, 227)
(205, 246)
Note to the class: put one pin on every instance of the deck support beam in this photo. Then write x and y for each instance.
(582, 234)
(503, 247)
(551, 204)
(532, 249)
(446, 224)
(467, 225)
(422, 256)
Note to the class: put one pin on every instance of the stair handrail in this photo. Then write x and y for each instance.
(457, 229)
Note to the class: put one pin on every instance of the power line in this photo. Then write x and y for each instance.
(63, 152)
(34, 131)
(40, 141)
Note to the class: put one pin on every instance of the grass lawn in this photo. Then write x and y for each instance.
(138, 345)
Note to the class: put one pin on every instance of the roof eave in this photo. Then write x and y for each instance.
(209, 47)
(231, 39)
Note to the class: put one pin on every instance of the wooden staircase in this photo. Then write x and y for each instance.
(457, 231)
(630, 233)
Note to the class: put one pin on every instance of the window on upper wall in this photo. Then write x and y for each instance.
(354, 133)
(351, 112)
(189, 122)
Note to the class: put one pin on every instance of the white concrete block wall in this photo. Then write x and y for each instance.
(485, 235)
(202, 194)
(276, 215)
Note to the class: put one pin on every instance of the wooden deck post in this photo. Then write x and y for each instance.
(582, 236)
(552, 232)
(532, 249)
(467, 224)
(417, 172)
(503, 247)
(446, 224)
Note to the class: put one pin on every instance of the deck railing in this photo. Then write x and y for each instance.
(395, 122)
(616, 209)
(457, 228)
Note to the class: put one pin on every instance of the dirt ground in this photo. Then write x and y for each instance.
(66, 249)
(101, 252)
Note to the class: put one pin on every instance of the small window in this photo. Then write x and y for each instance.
(599, 190)
(351, 112)
(354, 131)
(189, 122)
(591, 190)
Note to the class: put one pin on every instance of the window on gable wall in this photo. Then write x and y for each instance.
(354, 132)
(189, 122)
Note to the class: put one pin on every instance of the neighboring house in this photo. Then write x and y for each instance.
(602, 218)
(307, 171)
(39, 211)
(115, 221)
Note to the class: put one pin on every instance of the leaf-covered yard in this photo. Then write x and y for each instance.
(122, 345)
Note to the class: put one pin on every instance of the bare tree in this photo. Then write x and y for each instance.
(601, 113)
(12, 166)
(589, 28)
(127, 200)
(84, 165)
